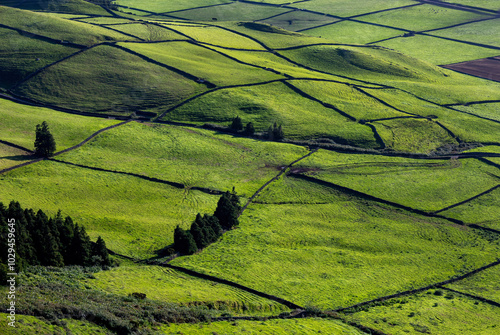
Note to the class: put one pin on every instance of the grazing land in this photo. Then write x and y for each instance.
(362, 139)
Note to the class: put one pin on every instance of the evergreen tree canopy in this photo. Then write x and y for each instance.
(184, 241)
(249, 129)
(226, 211)
(237, 124)
(45, 145)
(275, 132)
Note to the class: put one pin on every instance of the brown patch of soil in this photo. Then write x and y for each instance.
(487, 68)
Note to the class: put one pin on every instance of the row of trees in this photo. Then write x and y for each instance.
(207, 229)
(274, 132)
(49, 241)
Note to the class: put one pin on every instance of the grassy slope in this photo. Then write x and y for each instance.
(300, 117)
(298, 20)
(485, 110)
(485, 32)
(118, 82)
(31, 54)
(160, 6)
(66, 6)
(167, 285)
(134, 216)
(446, 314)
(269, 327)
(348, 7)
(57, 28)
(193, 157)
(19, 123)
(337, 253)
(232, 12)
(484, 284)
(426, 185)
(10, 156)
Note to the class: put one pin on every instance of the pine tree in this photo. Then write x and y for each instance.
(237, 124)
(249, 129)
(184, 241)
(198, 233)
(80, 250)
(45, 145)
(100, 254)
(226, 212)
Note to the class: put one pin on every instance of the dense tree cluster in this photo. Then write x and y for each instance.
(45, 145)
(42, 240)
(275, 132)
(207, 229)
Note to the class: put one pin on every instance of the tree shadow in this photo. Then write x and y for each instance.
(19, 157)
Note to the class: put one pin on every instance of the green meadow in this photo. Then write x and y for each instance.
(485, 32)
(483, 284)
(19, 123)
(431, 312)
(160, 6)
(10, 156)
(346, 8)
(234, 11)
(485, 110)
(427, 185)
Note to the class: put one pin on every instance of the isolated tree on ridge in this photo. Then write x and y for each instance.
(45, 145)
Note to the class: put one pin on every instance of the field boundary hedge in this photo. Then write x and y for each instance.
(467, 200)
(476, 297)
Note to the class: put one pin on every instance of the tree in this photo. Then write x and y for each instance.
(275, 132)
(45, 145)
(237, 124)
(226, 211)
(100, 254)
(249, 129)
(184, 241)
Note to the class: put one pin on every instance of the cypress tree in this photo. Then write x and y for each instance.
(237, 124)
(249, 129)
(214, 224)
(45, 145)
(80, 250)
(100, 254)
(198, 234)
(184, 241)
(226, 212)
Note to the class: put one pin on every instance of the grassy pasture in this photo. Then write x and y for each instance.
(167, 285)
(484, 211)
(19, 123)
(31, 54)
(374, 63)
(160, 6)
(269, 327)
(353, 32)
(428, 313)
(57, 28)
(347, 99)
(467, 127)
(203, 63)
(27, 324)
(486, 110)
(217, 36)
(484, 284)
(135, 217)
(424, 47)
(235, 11)
(338, 253)
(193, 157)
(10, 156)
(105, 20)
(424, 17)
(428, 185)
(148, 32)
(488, 4)
(298, 20)
(485, 32)
(265, 104)
(118, 82)
(346, 8)
(66, 6)
(413, 135)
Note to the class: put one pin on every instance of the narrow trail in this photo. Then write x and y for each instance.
(468, 200)
(147, 178)
(414, 291)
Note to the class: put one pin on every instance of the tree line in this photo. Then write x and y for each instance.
(274, 132)
(47, 241)
(207, 229)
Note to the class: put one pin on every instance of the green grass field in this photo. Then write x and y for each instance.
(298, 20)
(347, 8)
(67, 6)
(167, 285)
(10, 156)
(427, 185)
(485, 32)
(483, 284)
(429, 313)
(312, 254)
(192, 157)
(488, 4)
(485, 110)
(118, 82)
(235, 11)
(301, 118)
(160, 6)
(19, 124)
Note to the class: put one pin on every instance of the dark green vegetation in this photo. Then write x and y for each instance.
(368, 178)
(45, 145)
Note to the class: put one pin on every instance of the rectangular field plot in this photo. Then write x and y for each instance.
(427, 185)
(134, 216)
(346, 8)
(307, 326)
(265, 104)
(484, 211)
(353, 32)
(433, 312)
(170, 286)
(424, 47)
(195, 158)
(488, 110)
(19, 124)
(487, 68)
(298, 20)
(161, 6)
(339, 253)
(236, 11)
(484, 284)
(484, 32)
(424, 17)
